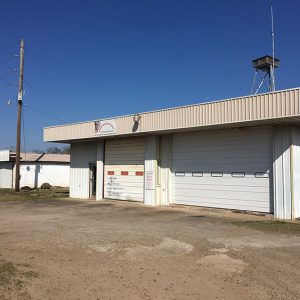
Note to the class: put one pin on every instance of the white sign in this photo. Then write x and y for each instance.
(105, 127)
(20, 96)
(149, 180)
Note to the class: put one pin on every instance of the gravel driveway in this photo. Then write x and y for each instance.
(76, 249)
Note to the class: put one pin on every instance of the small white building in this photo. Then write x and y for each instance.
(241, 153)
(35, 169)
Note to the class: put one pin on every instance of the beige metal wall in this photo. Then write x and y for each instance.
(82, 154)
(281, 104)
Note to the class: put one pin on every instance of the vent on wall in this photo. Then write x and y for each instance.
(238, 174)
(180, 174)
(197, 174)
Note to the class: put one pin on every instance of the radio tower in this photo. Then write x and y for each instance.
(265, 67)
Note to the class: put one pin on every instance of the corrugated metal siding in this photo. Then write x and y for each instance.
(221, 169)
(124, 156)
(282, 172)
(245, 109)
(6, 174)
(82, 154)
(296, 171)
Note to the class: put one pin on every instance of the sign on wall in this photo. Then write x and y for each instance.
(149, 180)
(105, 127)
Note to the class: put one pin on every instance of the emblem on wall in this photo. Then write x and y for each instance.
(105, 127)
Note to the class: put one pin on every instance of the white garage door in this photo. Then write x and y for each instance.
(225, 169)
(124, 169)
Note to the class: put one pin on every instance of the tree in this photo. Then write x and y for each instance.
(37, 151)
(54, 150)
(66, 150)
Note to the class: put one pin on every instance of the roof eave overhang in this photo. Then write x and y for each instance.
(294, 120)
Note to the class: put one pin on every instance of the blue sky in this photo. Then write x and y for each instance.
(94, 59)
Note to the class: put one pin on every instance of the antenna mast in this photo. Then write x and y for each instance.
(273, 53)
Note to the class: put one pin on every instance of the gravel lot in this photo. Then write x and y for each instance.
(75, 249)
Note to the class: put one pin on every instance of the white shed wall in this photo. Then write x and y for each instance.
(35, 174)
(6, 174)
(4, 155)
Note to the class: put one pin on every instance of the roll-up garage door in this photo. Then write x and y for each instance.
(124, 169)
(224, 169)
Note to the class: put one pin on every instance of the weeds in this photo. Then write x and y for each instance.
(34, 194)
(271, 226)
(7, 272)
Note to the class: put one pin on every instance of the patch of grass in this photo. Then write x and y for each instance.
(271, 226)
(7, 272)
(34, 194)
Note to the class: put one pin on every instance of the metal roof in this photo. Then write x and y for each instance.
(35, 157)
(279, 106)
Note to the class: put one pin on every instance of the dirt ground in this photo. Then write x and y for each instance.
(76, 249)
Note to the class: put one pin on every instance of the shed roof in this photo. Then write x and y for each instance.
(35, 157)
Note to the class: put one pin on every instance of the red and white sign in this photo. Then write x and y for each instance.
(149, 180)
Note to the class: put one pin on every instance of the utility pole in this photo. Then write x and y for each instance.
(20, 99)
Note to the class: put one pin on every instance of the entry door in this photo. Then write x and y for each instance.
(124, 169)
(93, 179)
(224, 169)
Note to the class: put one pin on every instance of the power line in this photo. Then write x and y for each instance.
(5, 28)
(44, 114)
(8, 82)
(5, 63)
(40, 98)
(34, 91)
(5, 50)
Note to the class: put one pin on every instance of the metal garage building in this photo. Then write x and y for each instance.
(241, 153)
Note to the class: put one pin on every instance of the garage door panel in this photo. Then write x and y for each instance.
(213, 200)
(134, 180)
(129, 189)
(219, 146)
(133, 157)
(124, 169)
(225, 168)
(132, 185)
(123, 196)
(251, 181)
(248, 169)
(242, 155)
(233, 135)
(220, 203)
(249, 195)
(221, 188)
